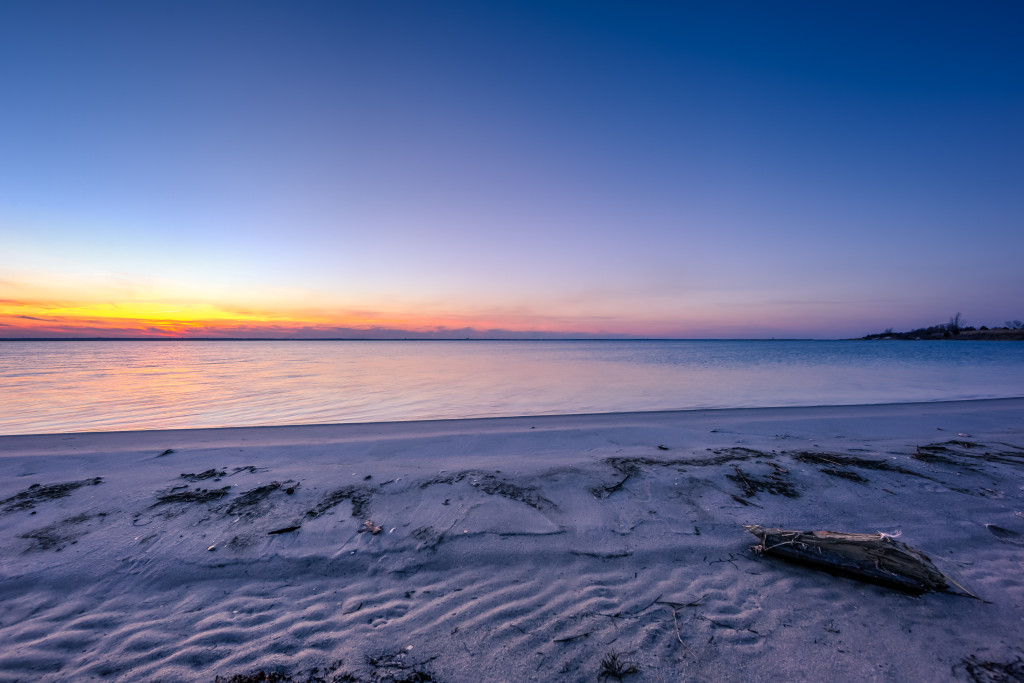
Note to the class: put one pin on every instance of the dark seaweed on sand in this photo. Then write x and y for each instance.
(722, 456)
(776, 483)
(245, 502)
(605, 490)
(59, 534)
(37, 493)
(939, 455)
(936, 453)
(208, 474)
(844, 474)
(986, 671)
(195, 496)
(942, 452)
(492, 485)
(359, 496)
(835, 459)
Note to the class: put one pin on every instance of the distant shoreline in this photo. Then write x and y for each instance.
(932, 334)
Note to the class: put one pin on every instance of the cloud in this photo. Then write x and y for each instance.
(81, 331)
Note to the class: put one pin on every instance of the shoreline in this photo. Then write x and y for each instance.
(741, 412)
(532, 547)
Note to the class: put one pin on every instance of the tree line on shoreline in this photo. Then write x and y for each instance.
(956, 328)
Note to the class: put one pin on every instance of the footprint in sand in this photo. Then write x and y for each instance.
(1006, 535)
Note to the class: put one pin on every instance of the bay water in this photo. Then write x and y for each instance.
(72, 386)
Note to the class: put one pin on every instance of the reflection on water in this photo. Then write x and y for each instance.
(50, 387)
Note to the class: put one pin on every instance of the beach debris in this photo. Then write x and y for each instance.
(844, 474)
(985, 671)
(604, 491)
(359, 496)
(197, 496)
(37, 493)
(329, 674)
(492, 485)
(875, 558)
(675, 622)
(662, 447)
(249, 503)
(58, 535)
(614, 668)
(741, 501)
(212, 547)
(370, 528)
(208, 474)
(722, 456)
(393, 667)
(956, 452)
(847, 461)
(734, 453)
(774, 483)
(940, 455)
(675, 606)
(602, 556)
(284, 530)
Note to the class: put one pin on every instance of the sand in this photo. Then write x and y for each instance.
(513, 549)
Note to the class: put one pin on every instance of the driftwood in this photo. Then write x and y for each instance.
(876, 558)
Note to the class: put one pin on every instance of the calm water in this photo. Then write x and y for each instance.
(48, 387)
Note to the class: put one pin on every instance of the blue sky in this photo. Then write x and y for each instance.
(580, 168)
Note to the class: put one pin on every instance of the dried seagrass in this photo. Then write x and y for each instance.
(876, 558)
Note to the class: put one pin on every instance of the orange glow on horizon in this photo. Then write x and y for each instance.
(26, 318)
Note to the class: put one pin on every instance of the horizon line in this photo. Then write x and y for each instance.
(425, 339)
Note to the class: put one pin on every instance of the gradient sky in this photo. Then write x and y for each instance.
(665, 169)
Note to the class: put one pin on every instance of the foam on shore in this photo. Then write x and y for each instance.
(524, 548)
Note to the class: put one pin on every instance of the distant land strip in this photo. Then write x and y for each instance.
(1013, 331)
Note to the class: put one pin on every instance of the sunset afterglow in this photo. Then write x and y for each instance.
(462, 170)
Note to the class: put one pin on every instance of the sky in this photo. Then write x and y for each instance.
(509, 169)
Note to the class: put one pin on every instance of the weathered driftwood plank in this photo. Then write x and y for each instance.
(877, 558)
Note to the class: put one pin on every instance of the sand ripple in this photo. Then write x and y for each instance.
(511, 567)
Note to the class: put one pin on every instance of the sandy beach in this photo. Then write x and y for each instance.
(556, 548)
